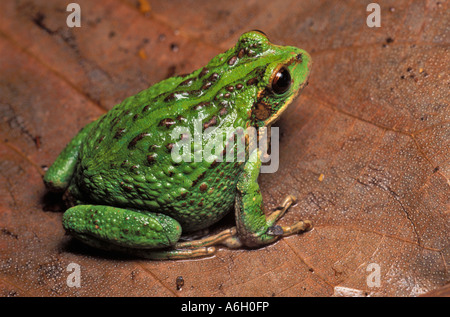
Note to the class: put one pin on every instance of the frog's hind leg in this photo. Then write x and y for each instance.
(147, 235)
(59, 174)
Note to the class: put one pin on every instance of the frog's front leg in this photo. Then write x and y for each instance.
(253, 227)
(59, 174)
(148, 235)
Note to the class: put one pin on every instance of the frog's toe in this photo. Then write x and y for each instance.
(177, 254)
(276, 230)
(300, 226)
(289, 200)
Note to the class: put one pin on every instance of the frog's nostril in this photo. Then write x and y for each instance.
(299, 58)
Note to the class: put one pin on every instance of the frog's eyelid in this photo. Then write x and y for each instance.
(259, 31)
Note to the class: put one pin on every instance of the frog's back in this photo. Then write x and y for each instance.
(126, 159)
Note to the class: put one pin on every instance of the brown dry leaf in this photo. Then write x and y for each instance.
(374, 121)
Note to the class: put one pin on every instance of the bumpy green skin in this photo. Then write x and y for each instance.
(127, 228)
(121, 163)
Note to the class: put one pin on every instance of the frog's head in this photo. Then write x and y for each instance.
(282, 72)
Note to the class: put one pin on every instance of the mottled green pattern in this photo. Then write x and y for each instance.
(124, 158)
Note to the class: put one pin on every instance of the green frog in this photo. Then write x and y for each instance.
(128, 193)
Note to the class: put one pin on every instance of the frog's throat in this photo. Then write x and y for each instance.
(275, 116)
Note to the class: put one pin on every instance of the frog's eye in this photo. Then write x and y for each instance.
(281, 81)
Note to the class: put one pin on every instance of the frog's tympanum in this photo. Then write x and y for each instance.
(128, 193)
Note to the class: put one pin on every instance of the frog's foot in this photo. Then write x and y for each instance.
(148, 235)
(264, 230)
(276, 230)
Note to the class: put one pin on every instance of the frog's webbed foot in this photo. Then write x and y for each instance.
(276, 230)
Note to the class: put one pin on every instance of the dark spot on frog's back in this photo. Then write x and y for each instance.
(115, 121)
(170, 97)
(203, 72)
(213, 77)
(136, 139)
(119, 133)
(151, 158)
(210, 123)
(198, 178)
(187, 82)
(214, 163)
(241, 53)
(201, 105)
(168, 122)
(170, 146)
(232, 60)
(206, 86)
(252, 81)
